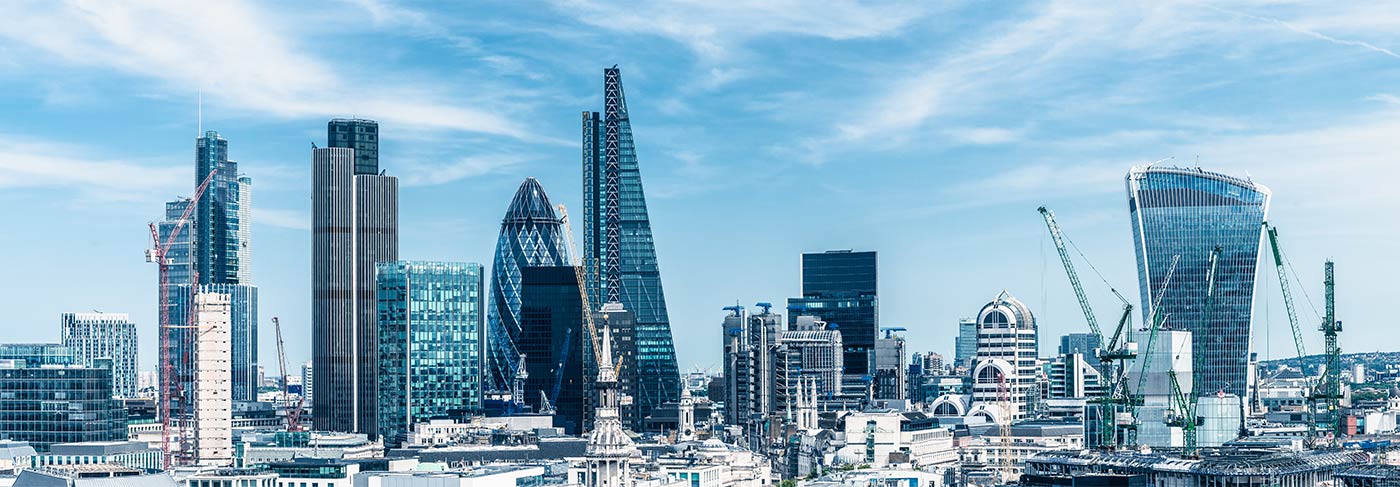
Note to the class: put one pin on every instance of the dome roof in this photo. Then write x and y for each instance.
(530, 204)
(1006, 311)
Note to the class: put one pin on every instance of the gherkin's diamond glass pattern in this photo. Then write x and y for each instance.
(1188, 212)
(531, 235)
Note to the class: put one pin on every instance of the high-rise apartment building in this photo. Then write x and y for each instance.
(360, 135)
(354, 227)
(839, 286)
(111, 336)
(1189, 213)
(532, 235)
(431, 332)
(1006, 365)
(553, 338)
(619, 252)
(213, 402)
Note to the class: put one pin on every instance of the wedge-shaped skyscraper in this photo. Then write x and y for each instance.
(532, 235)
(1188, 213)
(620, 257)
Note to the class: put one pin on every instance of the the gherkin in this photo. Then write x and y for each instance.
(532, 234)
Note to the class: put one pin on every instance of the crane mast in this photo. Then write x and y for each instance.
(157, 254)
(1331, 393)
(1112, 354)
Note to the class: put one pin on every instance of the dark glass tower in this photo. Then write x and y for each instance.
(216, 224)
(361, 135)
(553, 338)
(839, 287)
(430, 337)
(354, 227)
(620, 257)
(531, 235)
(1188, 212)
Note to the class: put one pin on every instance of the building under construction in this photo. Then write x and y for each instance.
(1233, 467)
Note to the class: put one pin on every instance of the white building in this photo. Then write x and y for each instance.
(308, 390)
(261, 448)
(712, 463)
(886, 438)
(447, 432)
(1170, 352)
(1005, 367)
(1022, 442)
(213, 421)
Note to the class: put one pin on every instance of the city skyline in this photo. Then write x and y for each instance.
(748, 165)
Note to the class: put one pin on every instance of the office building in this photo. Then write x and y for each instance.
(43, 401)
(216, 223)
(362, 136)
(555, 343)
(1188, 213)
(308, 388)
(245, 229)
(813, 355)
(91, 336)
(354, 226)
(1072, 376)
(619, 254)
(213, 402)
(1006, 364)
(431, 332)
(839, 286)
(623, 324)
(966, 346)
(38, 354)
(532, 235)
(1086, 344)
(738, 371)
(133, 454)
(891, 381)
(763, 333)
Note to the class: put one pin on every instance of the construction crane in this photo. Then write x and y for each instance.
(1330, 393)
(593, 340)
(1113, 353)
(1279, 262)
(168, 386)
(1004, 448)
(293, 411)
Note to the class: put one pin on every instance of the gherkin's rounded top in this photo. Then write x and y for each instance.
(530, 204)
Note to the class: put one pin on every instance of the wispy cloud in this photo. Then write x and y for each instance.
(1311, 33)
(280, 218)
(28, 163)
(237, 54)
(418, 173)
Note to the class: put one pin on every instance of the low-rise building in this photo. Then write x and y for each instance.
(15, 456)
(134, 454)
(96, 475)
(1237, 467)
(985, 444)
(265, 447)
(884, 438)
(484, 476)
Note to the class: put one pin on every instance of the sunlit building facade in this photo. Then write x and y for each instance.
(1188, 212)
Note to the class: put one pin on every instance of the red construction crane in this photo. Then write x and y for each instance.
(293, 411)
(157, 254)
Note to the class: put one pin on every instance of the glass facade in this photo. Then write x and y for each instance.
(531, 235)
(1187, 213)
(619, 254)
(839, 287)
(216, 220)
(354, 227)
(37, 354)
(554, 340)
(48, 405)
(431, 332)
(360, 135)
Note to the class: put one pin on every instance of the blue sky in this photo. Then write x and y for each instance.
(929, 131)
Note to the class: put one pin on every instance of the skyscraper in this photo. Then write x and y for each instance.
(360, 135)
(1007, 347)
(619, 253)
(839, 286)
(966, 346)
(431, 330)
(354, 226)
(554, 340)
(531, 235)
(1188, 213)
(111, 336)
(210, 255)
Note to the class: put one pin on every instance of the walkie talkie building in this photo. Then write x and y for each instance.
(1189, 212)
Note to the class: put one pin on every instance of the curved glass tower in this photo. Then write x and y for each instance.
(532, 235)
(1189, 212)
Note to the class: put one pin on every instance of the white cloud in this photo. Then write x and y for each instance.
(240, 56)
(418, 173)
(27, 163)
(984, 135)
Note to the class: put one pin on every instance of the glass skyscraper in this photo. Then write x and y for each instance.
(431, 332)
(354, 227)
(619, 254)
(532, 235)
(360, 135)
(1187, 213)
(216, 220)
(839, 287)
(553, 338)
